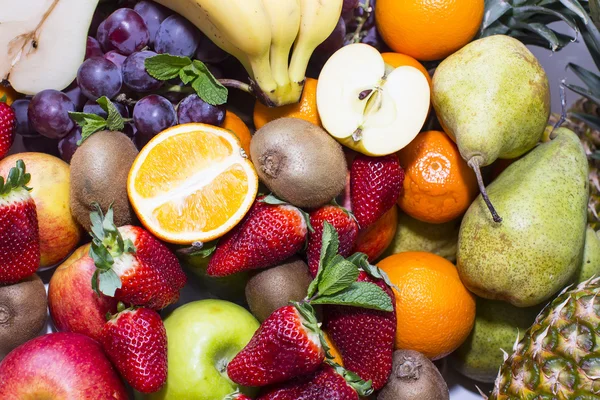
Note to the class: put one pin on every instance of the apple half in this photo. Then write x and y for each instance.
(369, 106)
(43, 42)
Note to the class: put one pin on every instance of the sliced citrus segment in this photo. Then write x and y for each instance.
(192, 183)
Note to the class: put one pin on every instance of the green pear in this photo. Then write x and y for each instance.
(590, 267)
(538, 246)
(415, 235)
(492, 97)
(497, 325)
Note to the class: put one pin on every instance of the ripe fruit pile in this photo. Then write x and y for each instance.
(359, 232)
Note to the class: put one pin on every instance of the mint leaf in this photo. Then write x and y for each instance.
(114, 120)
(359, 294)
(109, 282)
(337, 277)
(89, 123)
(361, 260)
(208, 87)
(188, 73)
(165, 66)
(329, 249)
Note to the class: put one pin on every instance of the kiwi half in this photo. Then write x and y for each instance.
(23, 311)
(99, 170)
(299, 162)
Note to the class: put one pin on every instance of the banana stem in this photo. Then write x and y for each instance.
(474, 163)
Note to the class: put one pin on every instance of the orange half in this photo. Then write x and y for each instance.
(192, 183)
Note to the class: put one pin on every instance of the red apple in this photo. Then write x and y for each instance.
(74, 306)
(50, 189)
(59, 366)
(376, 238)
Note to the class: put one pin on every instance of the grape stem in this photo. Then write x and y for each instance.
(362, 20)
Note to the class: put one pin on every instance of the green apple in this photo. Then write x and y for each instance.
(203, 336)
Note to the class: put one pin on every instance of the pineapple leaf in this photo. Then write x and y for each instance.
(494, 10)
(590, 120)
(528, 10)
(591, 79)
(584, 92)
(577, 8)
(595, 11)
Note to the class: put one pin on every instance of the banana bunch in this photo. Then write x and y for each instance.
(262, 33)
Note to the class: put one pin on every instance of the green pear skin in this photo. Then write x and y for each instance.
(497, 325)
(538, 246)
(415, 235)
(493, 98)
(590, 266)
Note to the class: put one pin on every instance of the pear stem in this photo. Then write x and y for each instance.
(474, 163)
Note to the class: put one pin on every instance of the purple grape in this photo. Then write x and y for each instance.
(209, 52)
(177, 36)
(102, 37)
(24, 128)
(135, 75)
(68, 144)
(74, 93)
(153, 15)
(359, 12)
(103, 10)
(91, 107)
(125, 31)
(116, 58)
(93, 48)
(41, 144)
(152, 115)
(334, 42)
(349, 5)
(99, 77)
(373, 38)
(215, 70)
(194, 109)
(48, 113)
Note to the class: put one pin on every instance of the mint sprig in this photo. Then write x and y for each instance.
(92, 123)
(107, 244)
(191, 72)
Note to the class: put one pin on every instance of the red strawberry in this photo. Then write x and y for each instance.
(19, 232)
(237, 396)
(365, 338)
(326, 383)
(344, 224)
(268, 235)
(8, 124)
(136, 343)
(375, 185)
(132, 265)
(286, 345)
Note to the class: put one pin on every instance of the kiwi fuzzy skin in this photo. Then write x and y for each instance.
(23, 311)
(299, 162)
(99, 170)
(414, 377)
(275, 287)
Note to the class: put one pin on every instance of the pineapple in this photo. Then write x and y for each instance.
(559, 356)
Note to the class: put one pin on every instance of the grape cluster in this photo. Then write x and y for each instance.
(119, 42)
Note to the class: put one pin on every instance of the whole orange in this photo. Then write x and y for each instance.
(428, 29)
(235, 124)
(306, 109)
(439, 186)
(435, 310)
(399, 60)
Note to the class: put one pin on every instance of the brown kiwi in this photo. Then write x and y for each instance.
(299, 162)
(414, 377)
(99, 170)
(276, 287)
(22, 313)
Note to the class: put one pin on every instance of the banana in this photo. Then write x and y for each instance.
(319, 18)
(285, 23)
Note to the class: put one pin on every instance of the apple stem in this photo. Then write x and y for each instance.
(474, 163)
(361, 21)
(357, 135)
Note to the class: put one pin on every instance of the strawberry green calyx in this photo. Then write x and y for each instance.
(17, 178)
(362, 388)
(107, 245)
(310, 322)
(3, 99)
(336, 280)
(120, 308)
(276, 201)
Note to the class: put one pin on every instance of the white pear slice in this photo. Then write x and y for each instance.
(43, 42)
(367, 108)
